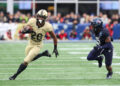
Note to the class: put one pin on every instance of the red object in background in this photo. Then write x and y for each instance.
(85, 35)
(61, 20)
(32, 5)
(48, 37)
(9, 34)
(110, 29)
(63, 36)
(90, 27)
(73, 34)
(21, 35)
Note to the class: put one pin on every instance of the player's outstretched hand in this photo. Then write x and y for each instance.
(56, 52)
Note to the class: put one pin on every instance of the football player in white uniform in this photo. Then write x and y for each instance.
(36, 28)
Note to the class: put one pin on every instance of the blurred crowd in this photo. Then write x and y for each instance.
(68, 18)
(71, 18)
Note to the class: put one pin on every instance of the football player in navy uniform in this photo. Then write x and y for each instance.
(103, 47)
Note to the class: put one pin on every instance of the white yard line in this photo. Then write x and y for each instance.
(74, 53)
(86, 53)
(115, 55)
(49, 68)
(71, 85)
(39, 64)
(88, 78)
(68, 85)
(115, 64)
(64, 73)
(118, 73)
(85, 58)
(75, 48)
(36, 68)
(41, 61)
(75, 45)
(46, 59)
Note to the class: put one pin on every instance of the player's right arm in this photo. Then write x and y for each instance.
(52, 34)
(27, 29)
(55, 43)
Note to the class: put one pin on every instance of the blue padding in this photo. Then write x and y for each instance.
(80, 28)
(116, 29)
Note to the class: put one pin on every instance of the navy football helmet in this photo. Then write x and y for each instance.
(97, 25)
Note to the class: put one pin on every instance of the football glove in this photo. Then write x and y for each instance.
(55, 51)
(27, 29)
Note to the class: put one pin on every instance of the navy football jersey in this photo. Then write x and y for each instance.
(101, 37)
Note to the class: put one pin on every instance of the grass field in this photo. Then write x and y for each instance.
(70, 69)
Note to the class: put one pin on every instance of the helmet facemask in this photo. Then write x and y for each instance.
(96, 30)
(41, 17)
(97, 25)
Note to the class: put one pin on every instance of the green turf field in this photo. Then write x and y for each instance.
(70, 69)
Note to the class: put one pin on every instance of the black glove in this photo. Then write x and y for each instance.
(55, 51)
(26, 30)
(98, 47)
(112, 39)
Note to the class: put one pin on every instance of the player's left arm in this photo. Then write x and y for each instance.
(106, 45)
(55, 43)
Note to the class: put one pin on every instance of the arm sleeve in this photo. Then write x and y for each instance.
(103, 36)
(29, 23)
(107, 46)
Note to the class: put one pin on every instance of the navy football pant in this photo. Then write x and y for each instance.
(94, 55)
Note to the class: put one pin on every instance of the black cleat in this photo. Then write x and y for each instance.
(109, 75)
(12, 77)
(46, 53)
(100, 61)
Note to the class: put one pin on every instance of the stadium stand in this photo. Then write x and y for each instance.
(67, 22)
